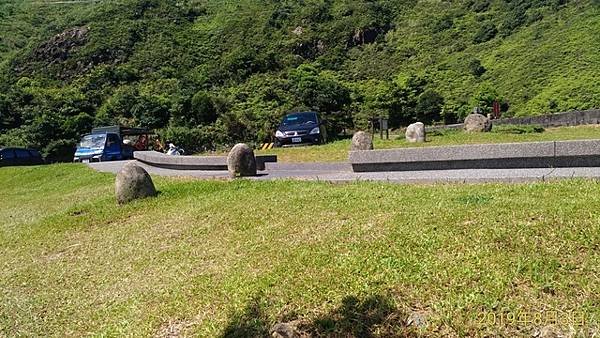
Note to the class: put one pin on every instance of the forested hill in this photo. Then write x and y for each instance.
(210, 72)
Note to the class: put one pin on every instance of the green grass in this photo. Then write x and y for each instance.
(218, 258)
(338, 150)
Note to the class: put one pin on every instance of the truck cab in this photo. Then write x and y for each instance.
(108, 144)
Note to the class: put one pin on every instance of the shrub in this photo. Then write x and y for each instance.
(486, 32)
(202, 110)
(60, 150)
(518, 129)
(429, 106)
(193, 140)
(476, 68)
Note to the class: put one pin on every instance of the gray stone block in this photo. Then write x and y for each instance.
(161, 160)
(584, 153)
(483, 156)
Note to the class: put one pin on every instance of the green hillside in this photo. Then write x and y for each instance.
(209, 73)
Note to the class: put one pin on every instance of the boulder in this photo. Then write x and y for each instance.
(417, 319)
(477, 123)
(548, 331)
(415, 132)
(285, 330)
(241, 161)
(362, 141)
(133, 182)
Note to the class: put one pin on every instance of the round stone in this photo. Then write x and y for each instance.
(477, 123)
(285, 330)
(133, 182)
(241, 161)
(415, 132)
(362, 141)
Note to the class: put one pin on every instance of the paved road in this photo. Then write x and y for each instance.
(342, 172)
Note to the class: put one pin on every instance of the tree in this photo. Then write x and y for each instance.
(322, 92)
(476, 68)
(429, 106)
(486, 32)
(202, 109)
(484, 98)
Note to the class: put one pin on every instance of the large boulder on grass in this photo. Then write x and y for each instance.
(415, 132)
(361, 141)
(477, 123)
(133, 182)
(241, 161)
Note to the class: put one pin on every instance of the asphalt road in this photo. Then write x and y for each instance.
(342, 172)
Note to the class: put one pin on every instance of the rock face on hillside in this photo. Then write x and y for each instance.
(133, 182)
(361, 141)
(241, 161)
(477, 123)
(415, 132)
(59, 47)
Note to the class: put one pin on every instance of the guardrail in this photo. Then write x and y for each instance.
(584, 153)
(161, 160)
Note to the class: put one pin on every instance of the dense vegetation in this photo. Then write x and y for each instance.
(212, 72)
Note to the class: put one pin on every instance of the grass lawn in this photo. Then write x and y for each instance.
(218, 258)
(338, 151)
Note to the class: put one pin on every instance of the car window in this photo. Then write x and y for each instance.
(7, 154)
(300, 118)
(35, 153)
(112, 139)
(93, 141)
(22, 153)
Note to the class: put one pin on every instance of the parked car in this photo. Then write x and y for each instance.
(301, 128)
(109, 144)
(19, 156)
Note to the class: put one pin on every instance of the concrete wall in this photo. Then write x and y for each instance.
(572, 118)
(552, 154)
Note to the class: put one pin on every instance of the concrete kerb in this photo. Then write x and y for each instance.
(160, 160)
(485, 156)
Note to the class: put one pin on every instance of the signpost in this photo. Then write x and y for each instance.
(383, 125)
(496, 110)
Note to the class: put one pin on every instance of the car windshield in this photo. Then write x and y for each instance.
(300, 118)
(93, 141)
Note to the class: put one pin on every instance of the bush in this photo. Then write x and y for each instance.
(59, 150)
(518, 129)
(442, 132)
(486, 32)
(193, 140)
(17, 137)
(476, 68)
(202, 110)
(429, 106)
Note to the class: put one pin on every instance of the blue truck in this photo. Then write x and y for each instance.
(111, 143)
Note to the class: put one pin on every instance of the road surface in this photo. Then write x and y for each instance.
(342, 172)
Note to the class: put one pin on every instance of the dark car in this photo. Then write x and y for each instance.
(301, 128)
(19, 156)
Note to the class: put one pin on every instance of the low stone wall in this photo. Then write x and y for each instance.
(584, 153)
(161, 160)
(572, 118)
